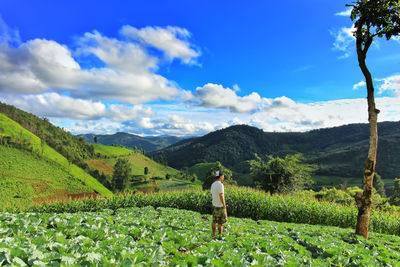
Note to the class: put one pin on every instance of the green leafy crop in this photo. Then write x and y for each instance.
(171, 237)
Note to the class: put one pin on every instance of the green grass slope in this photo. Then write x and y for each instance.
(201, 169)
(12, 132)
(73, 148)
(109, 155)
(138, 161)
(27, 178)
(111, 151)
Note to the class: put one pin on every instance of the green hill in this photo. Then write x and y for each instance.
(156, 179)
(130, 140)
(338, 151)
(28, 178)
(71, 147)
(31, 169)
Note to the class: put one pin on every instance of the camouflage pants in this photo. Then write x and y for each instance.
(220, 215)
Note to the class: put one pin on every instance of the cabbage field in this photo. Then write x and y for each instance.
(172, 237)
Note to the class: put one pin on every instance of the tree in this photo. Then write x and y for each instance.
(146, 170)
(122, 172)
(212, 175)
(95, 139)
(282, 175)
(379, 185)
(194, 178)
(373, 18)
(395, 198)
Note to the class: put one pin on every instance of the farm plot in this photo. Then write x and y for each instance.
(166, 236)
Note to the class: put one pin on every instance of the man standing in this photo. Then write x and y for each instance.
(219, 207)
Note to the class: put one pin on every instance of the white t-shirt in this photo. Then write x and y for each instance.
(217, 188)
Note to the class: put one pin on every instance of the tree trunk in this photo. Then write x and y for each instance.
(364, 200)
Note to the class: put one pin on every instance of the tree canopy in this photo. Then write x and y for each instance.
(122, 172)
(282, 175)
(212, 176)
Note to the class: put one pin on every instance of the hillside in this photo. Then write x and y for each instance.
(33, 171)
(130, 140)
(338, 151)
(73, 148)
(155, 179)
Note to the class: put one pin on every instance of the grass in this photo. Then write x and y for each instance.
(111, 151)
(26, 178)
(12, 128)
(201, 169)
(137, 161)
(332, 181)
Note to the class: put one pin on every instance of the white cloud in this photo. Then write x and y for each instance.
(236, 88)
(103, 126)
(391, 84)
(8, 35)
(128, 74)
(359, 85)
(173, 41)
(61, 106)
(216, 96)
(345, 13)
(343, 41)
(279, 114)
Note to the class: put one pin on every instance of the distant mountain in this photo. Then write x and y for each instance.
(338, 151)
(130, 140)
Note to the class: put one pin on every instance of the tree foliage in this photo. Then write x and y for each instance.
(379, 185)
(395, 198)
(375, 18)
(282, 175)
(122, 173)
(212, 175)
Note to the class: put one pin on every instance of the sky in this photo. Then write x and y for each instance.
(186, 68)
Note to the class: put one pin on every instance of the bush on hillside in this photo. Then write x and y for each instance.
(282, 175)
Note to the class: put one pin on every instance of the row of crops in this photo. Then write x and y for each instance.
(241, 202)
(172, 237)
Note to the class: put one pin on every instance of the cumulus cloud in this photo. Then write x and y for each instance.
(61, 106)
(359, 85)
(216, 96)
(173, 41)
(128, 74)
(103, 126)
(343, 41)
(391, 84)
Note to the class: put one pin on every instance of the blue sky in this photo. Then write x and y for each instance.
(190, 67)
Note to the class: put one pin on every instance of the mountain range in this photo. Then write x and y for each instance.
(130, 140)
(338, 151)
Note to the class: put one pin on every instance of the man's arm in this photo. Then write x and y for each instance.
(222, 198)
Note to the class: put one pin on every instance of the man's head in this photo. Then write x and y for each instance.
(221, 176)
